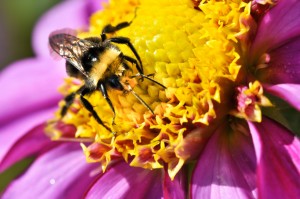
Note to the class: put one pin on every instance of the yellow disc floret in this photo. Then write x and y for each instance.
(192, 52)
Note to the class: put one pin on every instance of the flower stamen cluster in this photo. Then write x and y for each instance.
(194, 54)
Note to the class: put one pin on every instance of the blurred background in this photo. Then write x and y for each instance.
(17, 20)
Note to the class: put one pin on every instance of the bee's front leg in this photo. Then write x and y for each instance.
(109, 29)
(89, 107)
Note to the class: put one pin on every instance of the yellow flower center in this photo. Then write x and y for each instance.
(194, 53)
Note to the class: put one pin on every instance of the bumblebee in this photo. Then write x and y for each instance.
(100, 64)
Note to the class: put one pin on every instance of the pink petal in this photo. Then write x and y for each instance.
(94, 6)
(14, 133)
(278, 26)
(27, 86)
(288, 92)
(33, 142)
(72, 14)
(175, 188)
(226, 167)
(277, 151)
(123, 181)
(59, 173)
(284, 65)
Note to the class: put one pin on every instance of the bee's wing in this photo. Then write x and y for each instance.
(70, 48)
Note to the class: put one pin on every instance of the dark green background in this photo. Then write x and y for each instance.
(17, 19)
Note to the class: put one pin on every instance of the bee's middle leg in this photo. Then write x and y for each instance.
(69, 99)
(106, 97)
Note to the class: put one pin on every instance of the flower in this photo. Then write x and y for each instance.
(217, 59)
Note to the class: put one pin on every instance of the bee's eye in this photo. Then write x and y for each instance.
(90, 58)
(93, 55)
(93, 59)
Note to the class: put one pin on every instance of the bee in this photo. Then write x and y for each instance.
(101, 65)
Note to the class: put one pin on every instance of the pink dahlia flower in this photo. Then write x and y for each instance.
(209, 138)
(262, 161)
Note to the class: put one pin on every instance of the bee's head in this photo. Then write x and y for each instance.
(91, 57)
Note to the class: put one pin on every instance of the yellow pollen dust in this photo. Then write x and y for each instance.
(191, 52)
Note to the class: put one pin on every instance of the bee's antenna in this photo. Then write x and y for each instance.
(148, 77)
(140, 99)
(135, 11)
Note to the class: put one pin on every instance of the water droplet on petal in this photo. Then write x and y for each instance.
(52, 181)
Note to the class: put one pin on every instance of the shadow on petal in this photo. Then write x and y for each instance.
(287, 92)
(32, 143)
(278, 26)
(277, 151)
(284, 65)
(124, 181)
(19, 132)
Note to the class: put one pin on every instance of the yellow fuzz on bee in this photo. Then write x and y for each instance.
(192, 52)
